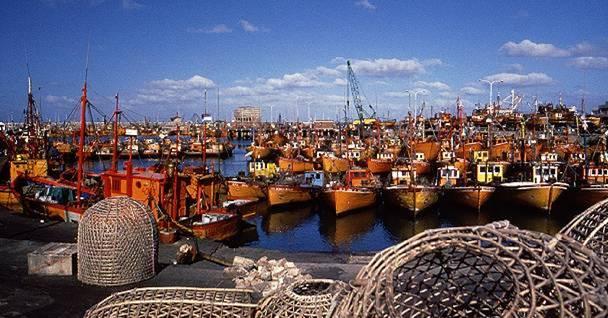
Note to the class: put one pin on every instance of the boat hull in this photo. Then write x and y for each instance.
(219, 230)
(295, 166)
(582, 198)
(379, 166)
(283, 195)
(471, 197)
(9, 200)
(539, 196)
(412, 199)
(244, 190)
(345, 200)
(335, 165)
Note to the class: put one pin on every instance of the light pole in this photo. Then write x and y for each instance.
(491, 85)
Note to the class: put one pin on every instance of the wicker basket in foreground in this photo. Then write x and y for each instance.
(175, 302)
(117, 243)
(308, 298)
(590, 228)
(495, 270)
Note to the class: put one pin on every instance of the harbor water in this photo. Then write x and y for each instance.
(313, 228)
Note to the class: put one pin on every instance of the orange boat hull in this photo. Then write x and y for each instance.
(335, 165)
(344, 200)
(295, 166)
(220, 230)
(430, 149)
(471, 197)
(283, 195)
(412, 199)
(242, 189)
(9, 200)
(539, 197)
(379, 166)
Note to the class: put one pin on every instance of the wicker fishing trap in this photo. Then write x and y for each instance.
(175, 302)
(117, 243)
(495, 270)
(590, 228)
(306, 298)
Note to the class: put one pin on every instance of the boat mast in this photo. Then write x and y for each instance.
(83, 114)
(115, 132)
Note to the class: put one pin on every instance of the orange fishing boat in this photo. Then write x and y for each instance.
(245, 189)
(295, 165)
(468, 196)
(344, 199)
(530, 194)
(283, 194)
(430, 149)
(413, 198)
(379, 166)
(214, 224)
(335, 164)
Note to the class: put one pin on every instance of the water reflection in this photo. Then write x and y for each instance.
(342, 230)
(401, 227)
(280, 221)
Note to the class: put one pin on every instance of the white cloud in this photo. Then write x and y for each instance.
(590, 62)
(170, 91)
(389, 67)
(220, 28)
(433, 85)
(365, 4)
(521, 80)
(515, 68)
(529, 48)
(533, 49)
(294, 80)
(326, 71)
(581, 48)
(470, 90)
(248, 26)
(131, 4)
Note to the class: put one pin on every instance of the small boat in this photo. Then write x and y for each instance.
(284, 194)
(216, 224)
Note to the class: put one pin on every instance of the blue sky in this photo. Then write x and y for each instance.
(290, 55)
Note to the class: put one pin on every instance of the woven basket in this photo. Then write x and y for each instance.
(307, 298)
(495, 270)
(117, 243)
(175, 302)
(590, 228)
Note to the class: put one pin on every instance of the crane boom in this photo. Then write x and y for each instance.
(353, 83)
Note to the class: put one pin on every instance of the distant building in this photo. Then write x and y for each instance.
(602, 110)
(247, 115)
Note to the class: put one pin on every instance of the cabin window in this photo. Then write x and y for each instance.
(116, 185)
(482, 169)
(605, 172)
(591, 172)
(138, 184)
(600, 172)
(497, 169)
(553, 171)
(318, 176)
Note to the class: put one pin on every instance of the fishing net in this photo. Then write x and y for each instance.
(117, 243)
(306, 298)
(175, 302)
(495, 270)
(590, 228)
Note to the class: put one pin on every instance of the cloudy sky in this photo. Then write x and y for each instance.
(290, 56)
